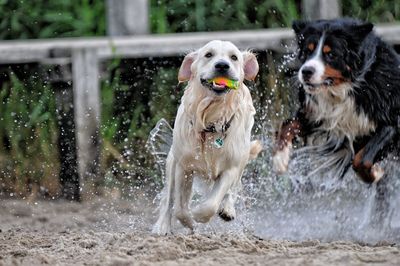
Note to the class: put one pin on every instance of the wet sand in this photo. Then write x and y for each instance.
(109, 232)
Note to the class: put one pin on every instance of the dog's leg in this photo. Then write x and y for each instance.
(283, 145)
(163, 224)
(227, 211)
(381, 206)
(207, 209)
(183, 193)
(364, 162)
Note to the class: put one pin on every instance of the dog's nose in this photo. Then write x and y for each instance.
(307, 72)
(222, 66)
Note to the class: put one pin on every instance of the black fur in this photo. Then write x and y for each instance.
(373, 67)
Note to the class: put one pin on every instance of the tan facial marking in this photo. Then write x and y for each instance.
(326, 49)
(311, 46)
(334, 74)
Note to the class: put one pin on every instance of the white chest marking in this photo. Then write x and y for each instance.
(337, 111)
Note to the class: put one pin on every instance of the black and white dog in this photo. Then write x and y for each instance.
(349, 88)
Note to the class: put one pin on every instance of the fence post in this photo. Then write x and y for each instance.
(85, 74)
(321, 9)
(127, 17)
(59, 75)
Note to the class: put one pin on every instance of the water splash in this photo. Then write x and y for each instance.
(159, 143)
(299, 205)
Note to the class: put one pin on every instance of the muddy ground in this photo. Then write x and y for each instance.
(116, 232)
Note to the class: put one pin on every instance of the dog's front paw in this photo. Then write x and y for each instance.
(377, 172)
(280, 159)
(227, 210)
(162, 227)
(370, 174)
(161, 230)
(368, 171)
(184, 218)
(227, 214)
(204, 212)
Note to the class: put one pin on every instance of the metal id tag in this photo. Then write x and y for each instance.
(218, 143)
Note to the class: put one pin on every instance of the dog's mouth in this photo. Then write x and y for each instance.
(314, 87)
(216, 86)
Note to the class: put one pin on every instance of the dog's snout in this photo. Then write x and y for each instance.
(307, 72)
(222, 66)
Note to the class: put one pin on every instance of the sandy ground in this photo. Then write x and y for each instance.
(106, 232)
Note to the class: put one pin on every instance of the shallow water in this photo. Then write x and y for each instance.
(299, 206)
(106, 231)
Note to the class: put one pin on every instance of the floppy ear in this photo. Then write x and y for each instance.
(298, 26)
(250, 65)
(185, 69)
(359, 32)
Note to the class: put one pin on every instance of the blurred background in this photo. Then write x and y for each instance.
(37, 132)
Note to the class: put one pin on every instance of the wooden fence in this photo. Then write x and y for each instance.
(76, 61)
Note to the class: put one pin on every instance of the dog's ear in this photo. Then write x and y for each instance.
(185, 70)
(359, 32)
(250, 65)
(298, 26)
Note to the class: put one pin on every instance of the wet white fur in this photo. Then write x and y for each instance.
(336, 109)
(190, 156)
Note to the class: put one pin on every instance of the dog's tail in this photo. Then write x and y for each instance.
(255, 149)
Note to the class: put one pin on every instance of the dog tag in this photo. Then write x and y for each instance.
(218, 143)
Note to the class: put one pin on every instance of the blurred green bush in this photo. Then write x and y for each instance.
(51, 18)
(372, 10)
(28, 136)
(59, 18)
(214, 15)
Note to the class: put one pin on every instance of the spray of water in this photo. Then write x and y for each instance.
(313, 200)
(303, 203)
(159, 143)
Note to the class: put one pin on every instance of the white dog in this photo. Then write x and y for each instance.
(211, 136)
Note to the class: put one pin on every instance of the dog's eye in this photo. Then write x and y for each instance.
(330, 55)
(234, 57)
(310, 47)
(208, 55)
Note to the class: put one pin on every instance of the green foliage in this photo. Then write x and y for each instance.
(155, 96)
(28, 131)
(373, 11)
(24, 19)
(211, 15)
